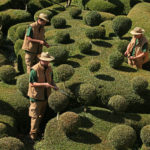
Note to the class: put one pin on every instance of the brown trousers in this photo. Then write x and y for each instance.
(30, 60)
(36, 112)
(136, 63)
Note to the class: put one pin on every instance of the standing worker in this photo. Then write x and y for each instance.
(68, 3)
(34, 41)
(137, 50)
(40, 84)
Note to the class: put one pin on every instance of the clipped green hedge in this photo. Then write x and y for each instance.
(94, 65)
(10, 143)
(85, 47)
(106, 16)
(60, 54)
(58, 22)
(7, 73)
(93, 18)
(18, 46)
(145, 135)
(95, 32)
(116, 59)
(5, 4)
(21, 61)
(121, 25)
(3, 60)
(122, 46)
(75, 12)
(20, 32)
(122, 136)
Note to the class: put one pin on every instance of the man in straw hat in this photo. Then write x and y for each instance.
(40, 84)
(137, 49)
(34, 40)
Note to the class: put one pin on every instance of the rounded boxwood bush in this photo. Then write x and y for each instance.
(62, 37)
(58, 101)
(20, 32)
(145, 135)
(121, 25)
(118, 103)
(94, 65)
(75, 12)
(122, 46)
(86, 94)
(23, 84)
(143, 147)
(139, 84)
(58, 22)
(18, 45)
(3, 60)
(7, 73)
(11, 143)
(122, 136)
(64, 72)
(60, 54)
(69, 122)
(116, 59)
(95, 32)
(92, 18)
(85, 47)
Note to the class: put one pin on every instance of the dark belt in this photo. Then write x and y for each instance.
(30, 52)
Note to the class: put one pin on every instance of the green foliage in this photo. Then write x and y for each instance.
(94, 65)
(18, 46)
(7, 73)
(75, 12)
(20, 32)
(95, 32)
(121, 25)
(139, 84)
(92, 18)
(69, 122)
(62, 37)
(85, 47)
(58, 101)
(23, 83)
(5, 4)
(118, 103)
(9, 143)
(3, 60)
(143, 147)
(122, 46)
(122, 136)
(86, 94)
(107, 16)
(21, 61)
(59, 53)
(64, 72)
(145, 135)
(116, 59)
(49, 14)
(58, 22)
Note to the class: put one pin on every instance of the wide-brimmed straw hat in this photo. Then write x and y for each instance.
(44, 17)
(137, 31)
(46, 57)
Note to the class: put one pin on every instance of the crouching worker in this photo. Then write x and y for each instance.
(40, 84)
(137, 50)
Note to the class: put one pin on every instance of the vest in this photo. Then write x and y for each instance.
(38, 92)
(138, 48)
(39, 35)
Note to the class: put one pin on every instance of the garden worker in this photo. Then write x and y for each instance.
(68, 3)
(40, 84)
(34, 41)
(137, 49)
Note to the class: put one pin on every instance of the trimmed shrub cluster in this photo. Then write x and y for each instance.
(145, 135)
(121, 25)
(69, 122)
(62, 37)
(18, 46)
(94, 65)
(86, 94)
(3, 60)
(64, 72)
(139, 84)
(58, 101)
(20, 32)
(59, 53)
(106, 16)
(122, 46)
(85, 47)
(122, 136)
(95, 32)
(23, 83)
(7, 73)
(116, 59)
(75, 12)
(5, 4)
(58, 22)
(118, 103)
(9, 143)
(92, 18)
(21, 61)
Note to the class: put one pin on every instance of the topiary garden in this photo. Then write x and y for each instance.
(102, 102)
